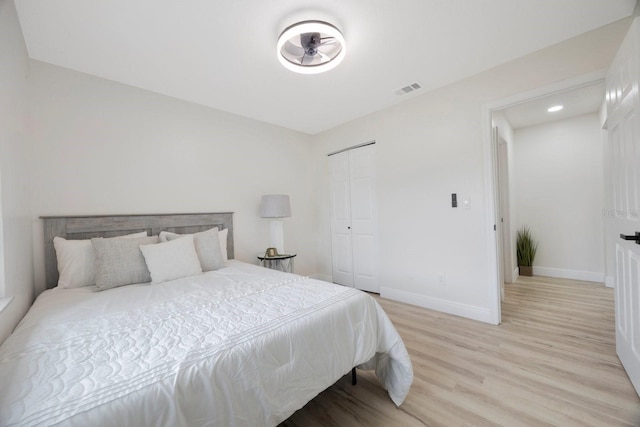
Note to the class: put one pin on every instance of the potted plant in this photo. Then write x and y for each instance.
(526, 251)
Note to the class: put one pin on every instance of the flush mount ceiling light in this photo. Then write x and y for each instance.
(311, 47)
(555, 108)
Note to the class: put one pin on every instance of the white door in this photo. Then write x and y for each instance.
(363, 218)
(505, 214)
(497, 227)
(353, 219)
(341, 219)
(623, 124)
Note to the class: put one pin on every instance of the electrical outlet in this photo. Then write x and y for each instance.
(442, 279)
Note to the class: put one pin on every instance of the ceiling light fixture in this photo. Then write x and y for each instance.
(311, 47)
(555, 108)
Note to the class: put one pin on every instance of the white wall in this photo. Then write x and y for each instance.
(608, 202)
(102, 147)
(559, 195)
(16, 272)
(431, 146)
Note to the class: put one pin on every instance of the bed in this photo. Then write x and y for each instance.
(239, 345)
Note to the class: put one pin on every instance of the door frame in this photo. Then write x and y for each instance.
(491, 185)
(505, 211)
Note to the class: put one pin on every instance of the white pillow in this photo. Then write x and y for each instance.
(222, 237)
(171, 260)
(207, 246)
(76, 261)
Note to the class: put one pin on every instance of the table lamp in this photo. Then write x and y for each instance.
(276, 206)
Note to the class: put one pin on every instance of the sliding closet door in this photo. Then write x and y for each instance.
(342, 258)
(363, 218)
(353, 220)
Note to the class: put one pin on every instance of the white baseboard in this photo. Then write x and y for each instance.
(587, 276)
(4, 303)
(610, 281)
(451, 307)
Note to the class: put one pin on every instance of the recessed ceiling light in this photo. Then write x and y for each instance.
(555, 108)
(311, 47)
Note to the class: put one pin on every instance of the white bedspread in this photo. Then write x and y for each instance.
(243, 346)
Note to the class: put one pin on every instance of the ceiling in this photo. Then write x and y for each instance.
(222, 54)
(576, 102)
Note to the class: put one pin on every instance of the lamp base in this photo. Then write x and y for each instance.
(277, 235)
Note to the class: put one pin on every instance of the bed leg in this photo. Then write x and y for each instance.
(354, 379)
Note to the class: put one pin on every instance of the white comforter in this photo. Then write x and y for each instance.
(243, 346)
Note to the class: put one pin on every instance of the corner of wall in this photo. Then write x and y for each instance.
(15, 178)
(451, 307)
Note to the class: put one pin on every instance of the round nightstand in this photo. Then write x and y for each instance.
(282, 262)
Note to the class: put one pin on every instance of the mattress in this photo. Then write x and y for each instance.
(240, 346)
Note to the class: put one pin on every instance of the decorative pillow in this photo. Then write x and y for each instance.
(172, 260)
(207, 244)
(119, 262)
(222, 236)
(76, 261)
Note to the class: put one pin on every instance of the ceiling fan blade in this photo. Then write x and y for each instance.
(323, 57)
(328, 40)
(293, 49)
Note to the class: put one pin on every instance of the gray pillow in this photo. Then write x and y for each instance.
(207, 245)
(119, 261)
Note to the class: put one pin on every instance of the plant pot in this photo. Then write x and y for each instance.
(526, 270)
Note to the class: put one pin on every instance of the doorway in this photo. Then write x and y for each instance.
(518, 184)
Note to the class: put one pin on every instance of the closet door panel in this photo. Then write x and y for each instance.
(341, 247)
(353, 218)
(363, 217)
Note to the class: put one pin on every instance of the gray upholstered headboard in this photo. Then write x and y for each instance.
(86, 227)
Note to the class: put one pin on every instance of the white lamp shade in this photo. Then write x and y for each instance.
(275, 206)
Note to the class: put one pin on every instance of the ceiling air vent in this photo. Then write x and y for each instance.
(408, 88)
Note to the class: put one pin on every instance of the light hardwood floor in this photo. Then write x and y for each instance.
(551, 362)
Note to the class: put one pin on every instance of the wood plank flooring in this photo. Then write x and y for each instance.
(551, 362)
